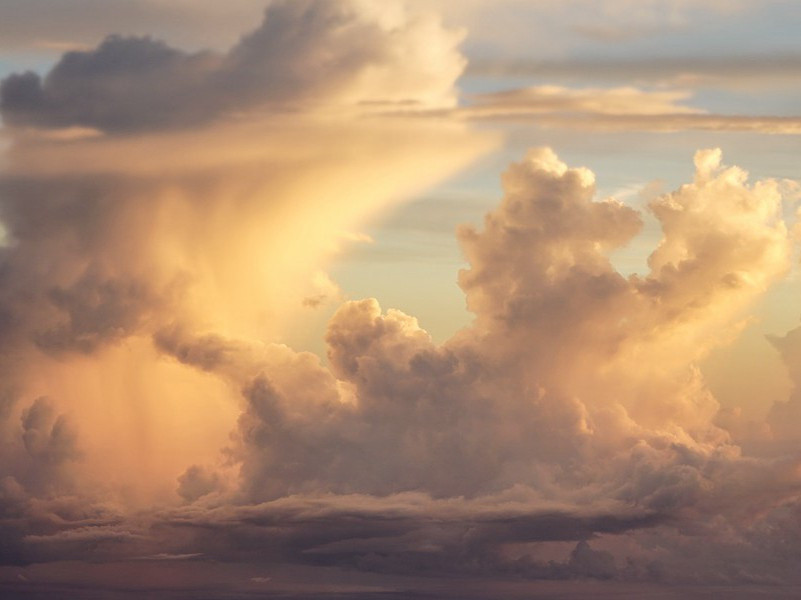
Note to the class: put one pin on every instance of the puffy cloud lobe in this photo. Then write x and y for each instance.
(306, 54)
(46, 437)
(39, 494)
(548, 232)
(408, 533)
(197, 482)
(539, 394)
(66, 284)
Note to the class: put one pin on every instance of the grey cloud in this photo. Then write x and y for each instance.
(614, 109)
(47, 437)
(58, 289)
(197, 482)
(306, 53)
(97, 311)
(785, 415)
(206, 353)
(41, 526)
(586, 562)
(125, 84)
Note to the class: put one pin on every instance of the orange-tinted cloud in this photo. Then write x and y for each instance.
(149, 412)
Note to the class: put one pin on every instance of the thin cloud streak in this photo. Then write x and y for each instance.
(728, 72)
(608, 109)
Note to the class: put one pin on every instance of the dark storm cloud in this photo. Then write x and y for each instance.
(123, 85)
(408, 534)
(306, 53)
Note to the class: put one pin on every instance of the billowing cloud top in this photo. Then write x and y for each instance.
(306, 54)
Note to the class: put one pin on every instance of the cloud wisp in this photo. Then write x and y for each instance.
(611, 110)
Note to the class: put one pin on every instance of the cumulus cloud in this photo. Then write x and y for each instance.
(305, 54)
(224, 226)
(533, 414)
(149, 409)
(746, 71)
(526, 446)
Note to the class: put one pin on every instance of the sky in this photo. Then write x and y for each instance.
(349, 299)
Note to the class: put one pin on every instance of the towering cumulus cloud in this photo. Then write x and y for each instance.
(168, 216)
(529, 428)
(571, 409)
(120, 221)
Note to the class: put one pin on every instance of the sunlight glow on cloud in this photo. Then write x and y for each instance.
(168, 220)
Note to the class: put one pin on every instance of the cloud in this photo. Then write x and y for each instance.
(197, 482)
(46, 437)
(779, 432)
(530, 426)
(37, 25)
(120, 224)
(404, 458)
(307, 53)
(151, 414)
(556, 99)
(613, 109)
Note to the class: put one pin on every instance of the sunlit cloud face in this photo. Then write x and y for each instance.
(169, 218)
(121, 221)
